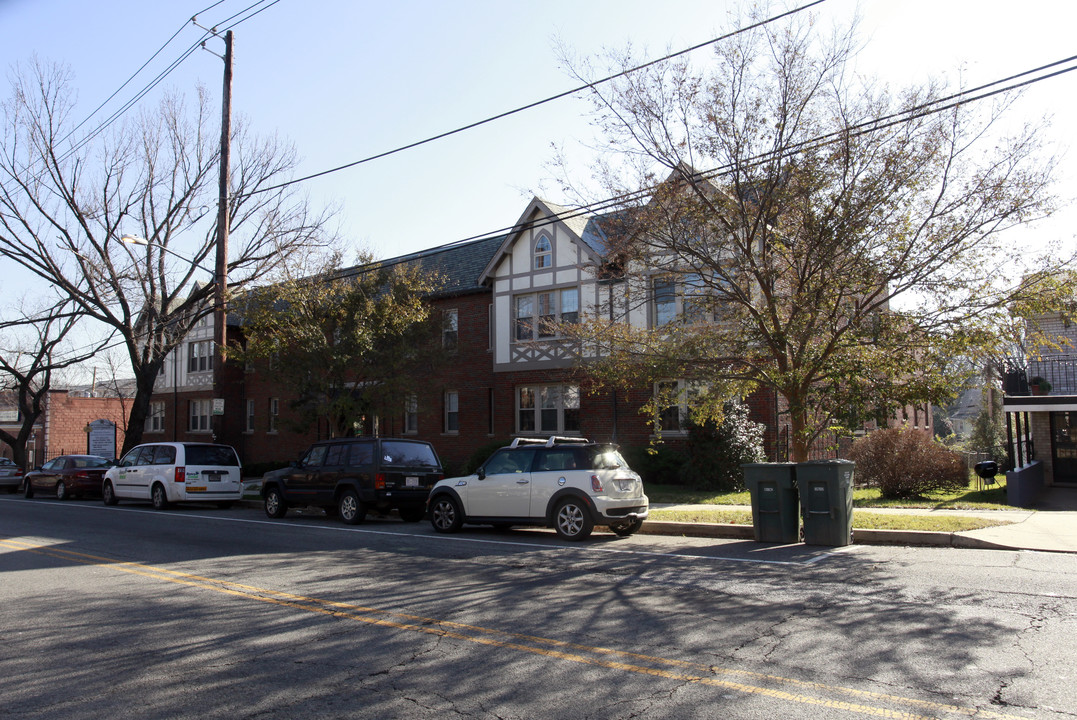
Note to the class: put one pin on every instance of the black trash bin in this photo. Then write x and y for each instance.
(826, 496)
(774, 501)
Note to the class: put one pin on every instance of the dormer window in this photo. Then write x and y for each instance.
(543, 253)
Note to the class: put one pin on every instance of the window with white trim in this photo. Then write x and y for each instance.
(548, 409)
(200, 356)
(155, 420)
(674, 399)
(274, 413)
(450, 329)
(198, 415)
(411, 415)
(538, 314)
(543, 252)
(689, 298)
(452, 411)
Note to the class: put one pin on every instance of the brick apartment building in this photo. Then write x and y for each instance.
(505, 376)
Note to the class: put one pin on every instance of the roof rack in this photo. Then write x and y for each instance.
(549, 442)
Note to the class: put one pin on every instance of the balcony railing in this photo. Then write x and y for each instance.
(1058, 370)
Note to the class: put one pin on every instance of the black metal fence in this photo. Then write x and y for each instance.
(1060, 371)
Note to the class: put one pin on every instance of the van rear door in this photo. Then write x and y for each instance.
(212, 472)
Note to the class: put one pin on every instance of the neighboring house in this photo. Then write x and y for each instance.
(508, 374)
(1042, 425)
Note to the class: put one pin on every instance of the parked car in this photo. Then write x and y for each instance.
(569, 484)
(169, 472)
(67, 476)
(354, 476)
(10, 475)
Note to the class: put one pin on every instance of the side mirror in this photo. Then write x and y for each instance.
(481, 473)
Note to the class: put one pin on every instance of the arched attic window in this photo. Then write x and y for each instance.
(543, 253)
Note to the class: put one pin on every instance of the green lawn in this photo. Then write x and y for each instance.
(968, 499)
(863, 499)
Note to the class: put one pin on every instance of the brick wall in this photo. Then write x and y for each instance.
(67, 418)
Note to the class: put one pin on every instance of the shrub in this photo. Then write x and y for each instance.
(658, 464)
(716, 451)
(905, 463)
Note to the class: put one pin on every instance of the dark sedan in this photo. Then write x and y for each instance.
(67, 476)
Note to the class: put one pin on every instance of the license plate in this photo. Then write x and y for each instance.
(411, 482)
(196, 489)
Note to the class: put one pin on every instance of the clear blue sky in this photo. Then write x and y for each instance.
(344, 80)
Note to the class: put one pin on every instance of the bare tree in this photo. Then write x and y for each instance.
(64, 207)
(33, 351)
(802, 230)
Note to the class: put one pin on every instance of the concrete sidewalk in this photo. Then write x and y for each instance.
(1050, 526)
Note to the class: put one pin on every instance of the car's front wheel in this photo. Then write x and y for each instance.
(274, 504)
(351, 509)
(572, 521)
(626, 528)
(27, 488)
(108, 495)
(445, 514)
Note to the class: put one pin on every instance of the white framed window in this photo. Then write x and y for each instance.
(198, 415)
(548, 409)
(274, 413)
(452, 411)
(674, 401)
(200, 356)
(543, 252)
(688, 298)
(411, 415)
(250, 416)
(450, 329)
(538, 314)
(155, 420)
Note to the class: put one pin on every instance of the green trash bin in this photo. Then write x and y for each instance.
(775, 516)
(826, 496)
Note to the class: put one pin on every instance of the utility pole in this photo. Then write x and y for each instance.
(220, 326)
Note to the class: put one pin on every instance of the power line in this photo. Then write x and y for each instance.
(938, 105)
(537, 103)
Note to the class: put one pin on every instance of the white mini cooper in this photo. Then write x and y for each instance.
(569, 484)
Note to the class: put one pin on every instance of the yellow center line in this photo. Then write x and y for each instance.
(569, 651)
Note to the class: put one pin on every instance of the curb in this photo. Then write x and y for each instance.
(920, 538)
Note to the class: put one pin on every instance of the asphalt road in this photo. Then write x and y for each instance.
(198, 612)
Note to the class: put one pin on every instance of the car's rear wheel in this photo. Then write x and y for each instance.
(627, 528)
(108, 495)
(61, 491)
(158, 497)
(351, 509)
(274, 504)
(572, 521)
(27, 488)
(445, 514)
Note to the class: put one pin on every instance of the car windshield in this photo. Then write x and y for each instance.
(407, 454)
(212, 455)
(5, 461)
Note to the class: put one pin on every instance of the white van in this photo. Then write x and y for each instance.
(170, 472)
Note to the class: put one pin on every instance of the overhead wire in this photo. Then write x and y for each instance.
(537, 103)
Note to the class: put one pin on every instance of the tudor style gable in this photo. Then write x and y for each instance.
(543, 274)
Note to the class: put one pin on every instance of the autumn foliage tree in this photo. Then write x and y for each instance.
(348, 343)
(799, 229)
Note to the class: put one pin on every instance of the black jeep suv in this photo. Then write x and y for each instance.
(354, 476)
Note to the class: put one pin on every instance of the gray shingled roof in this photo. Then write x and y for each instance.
(459, 265)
